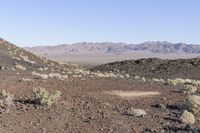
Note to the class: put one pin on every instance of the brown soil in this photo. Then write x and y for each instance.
(85, 107)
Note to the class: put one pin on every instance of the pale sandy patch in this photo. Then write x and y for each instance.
(132, 93)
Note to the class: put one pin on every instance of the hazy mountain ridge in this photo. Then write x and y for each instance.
(104, 52)
(108, 47)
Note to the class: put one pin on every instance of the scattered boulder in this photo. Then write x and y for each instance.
(160, 105)
(148, 130)
(135, 112)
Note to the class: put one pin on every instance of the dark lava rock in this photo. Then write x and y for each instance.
(148, 130)
(160, 105)
(155, 68)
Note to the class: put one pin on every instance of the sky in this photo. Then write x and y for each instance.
(51, 22)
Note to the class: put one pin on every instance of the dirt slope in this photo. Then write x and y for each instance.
(10, 55)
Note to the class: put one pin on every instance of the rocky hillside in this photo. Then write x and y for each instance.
(11, 55)
(19, 60)
(16, 58)
(155, 68)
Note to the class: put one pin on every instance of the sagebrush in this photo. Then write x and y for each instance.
(6, 98)
(42, 96)
(194, 103)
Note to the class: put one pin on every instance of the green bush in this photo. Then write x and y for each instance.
(6, 98)
(42, 96)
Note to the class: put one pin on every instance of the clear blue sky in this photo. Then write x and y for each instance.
(41, 22)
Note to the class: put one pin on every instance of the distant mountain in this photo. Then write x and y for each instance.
(87, 50)
(167, 47)
(109, 47)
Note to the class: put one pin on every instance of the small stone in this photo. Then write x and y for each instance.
(147, 130)
(159, 105)
(136, 112)
(189, 128)
(164, 99)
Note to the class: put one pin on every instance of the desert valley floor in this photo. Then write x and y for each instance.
(94, 100)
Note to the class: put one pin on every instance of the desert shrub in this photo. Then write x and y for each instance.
(127, 76)
(43, 76)
(6, 98)
(158, 80)
(187, 117)
(56, 75)
(42, 96)
(183, 81)
(189, 89)
(172, 82)
(143, 79)
(140, 78)
(194, 103)
(20, 67)
(136, 77)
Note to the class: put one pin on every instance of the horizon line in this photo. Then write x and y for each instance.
(95, 42)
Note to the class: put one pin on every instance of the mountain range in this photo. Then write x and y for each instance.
(103, 52)
(109, 47)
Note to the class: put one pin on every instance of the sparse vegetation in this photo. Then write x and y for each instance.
(187, 117)
(178, 81)
(189, 89)
(17, 66)
(194, 103)
(51, 75)
(26, 59)
(43, 76)
(42, 97)
(158, 80)
(6, 98)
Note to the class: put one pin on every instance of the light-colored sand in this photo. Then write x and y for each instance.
(132, 93)
(96, 58)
